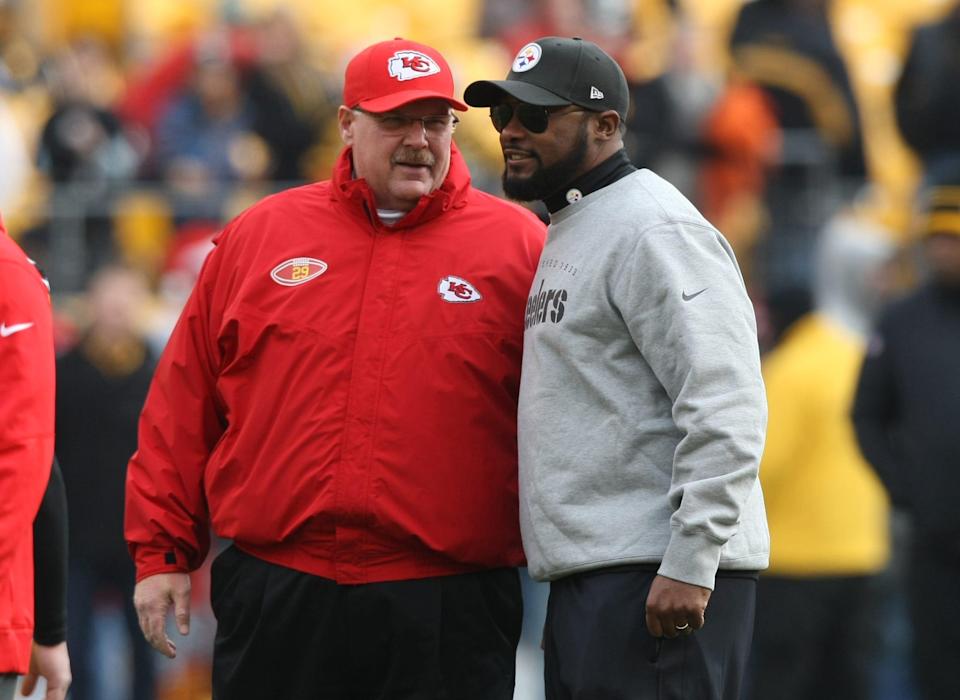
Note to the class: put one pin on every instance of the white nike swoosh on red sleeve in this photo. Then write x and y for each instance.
(6, 331)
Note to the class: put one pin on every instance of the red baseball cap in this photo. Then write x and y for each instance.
(390, 74)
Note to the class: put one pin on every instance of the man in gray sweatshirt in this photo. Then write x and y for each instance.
(642, 409)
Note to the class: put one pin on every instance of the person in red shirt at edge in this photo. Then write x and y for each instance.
(339, 399)
(26, 454)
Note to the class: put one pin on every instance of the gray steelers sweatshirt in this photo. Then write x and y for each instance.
(642, 410)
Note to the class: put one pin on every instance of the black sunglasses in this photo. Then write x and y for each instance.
(533, 118)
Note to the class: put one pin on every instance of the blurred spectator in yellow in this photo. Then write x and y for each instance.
(817, 623)
(101, 385)
(927, 96)
(787, 49)
(907, 417)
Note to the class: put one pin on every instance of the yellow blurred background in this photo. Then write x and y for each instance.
(871, 34)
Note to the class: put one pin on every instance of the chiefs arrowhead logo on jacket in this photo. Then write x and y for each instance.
(297, 271)
(457, 290)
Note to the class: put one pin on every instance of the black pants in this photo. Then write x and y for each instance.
(816, 638)
(285, 634)
(934, 581)
(597, 646)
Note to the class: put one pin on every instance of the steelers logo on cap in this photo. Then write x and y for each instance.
(527, 58)
(574, 195)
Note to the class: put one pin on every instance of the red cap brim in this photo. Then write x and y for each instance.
(398, 99)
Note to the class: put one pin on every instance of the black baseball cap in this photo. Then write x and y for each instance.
(554, 71)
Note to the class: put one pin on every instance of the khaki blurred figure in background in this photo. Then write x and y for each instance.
(817, 615)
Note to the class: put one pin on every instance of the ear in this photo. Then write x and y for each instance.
(346, 118)
(607, 126)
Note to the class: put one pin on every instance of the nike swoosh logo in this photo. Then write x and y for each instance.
(688, 297)
(6, 331)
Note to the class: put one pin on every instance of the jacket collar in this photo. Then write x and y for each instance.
(356, 194)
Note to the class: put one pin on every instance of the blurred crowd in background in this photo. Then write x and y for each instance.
(807, 131)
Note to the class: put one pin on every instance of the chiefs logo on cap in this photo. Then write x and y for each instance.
(409, 65)
(297, 271)
(457, 290)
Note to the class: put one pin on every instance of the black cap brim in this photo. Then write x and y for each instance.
(489, 93)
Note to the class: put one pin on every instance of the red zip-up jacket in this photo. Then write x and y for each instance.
(26, 441)
(339, 397)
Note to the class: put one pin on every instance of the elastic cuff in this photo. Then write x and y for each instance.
(691, 557)
(50, 638)
(150, 562)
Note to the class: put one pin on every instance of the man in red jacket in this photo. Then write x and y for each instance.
(339, 399)
(26, 453)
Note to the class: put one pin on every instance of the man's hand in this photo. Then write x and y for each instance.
(53, 663)
(152, 598)
(675, 607)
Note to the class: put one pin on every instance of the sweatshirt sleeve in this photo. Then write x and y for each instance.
(26, 402)
(687, 309)
(166, 521)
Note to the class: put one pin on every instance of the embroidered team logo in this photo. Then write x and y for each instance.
(457, 290)
(528, 57)
(409, 65)
(297, 271)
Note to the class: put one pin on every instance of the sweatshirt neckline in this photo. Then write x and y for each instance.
(606, 173)
(568, 213)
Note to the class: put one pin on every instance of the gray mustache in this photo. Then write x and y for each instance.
(414, 157)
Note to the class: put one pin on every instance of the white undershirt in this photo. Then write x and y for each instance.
(390, 216)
